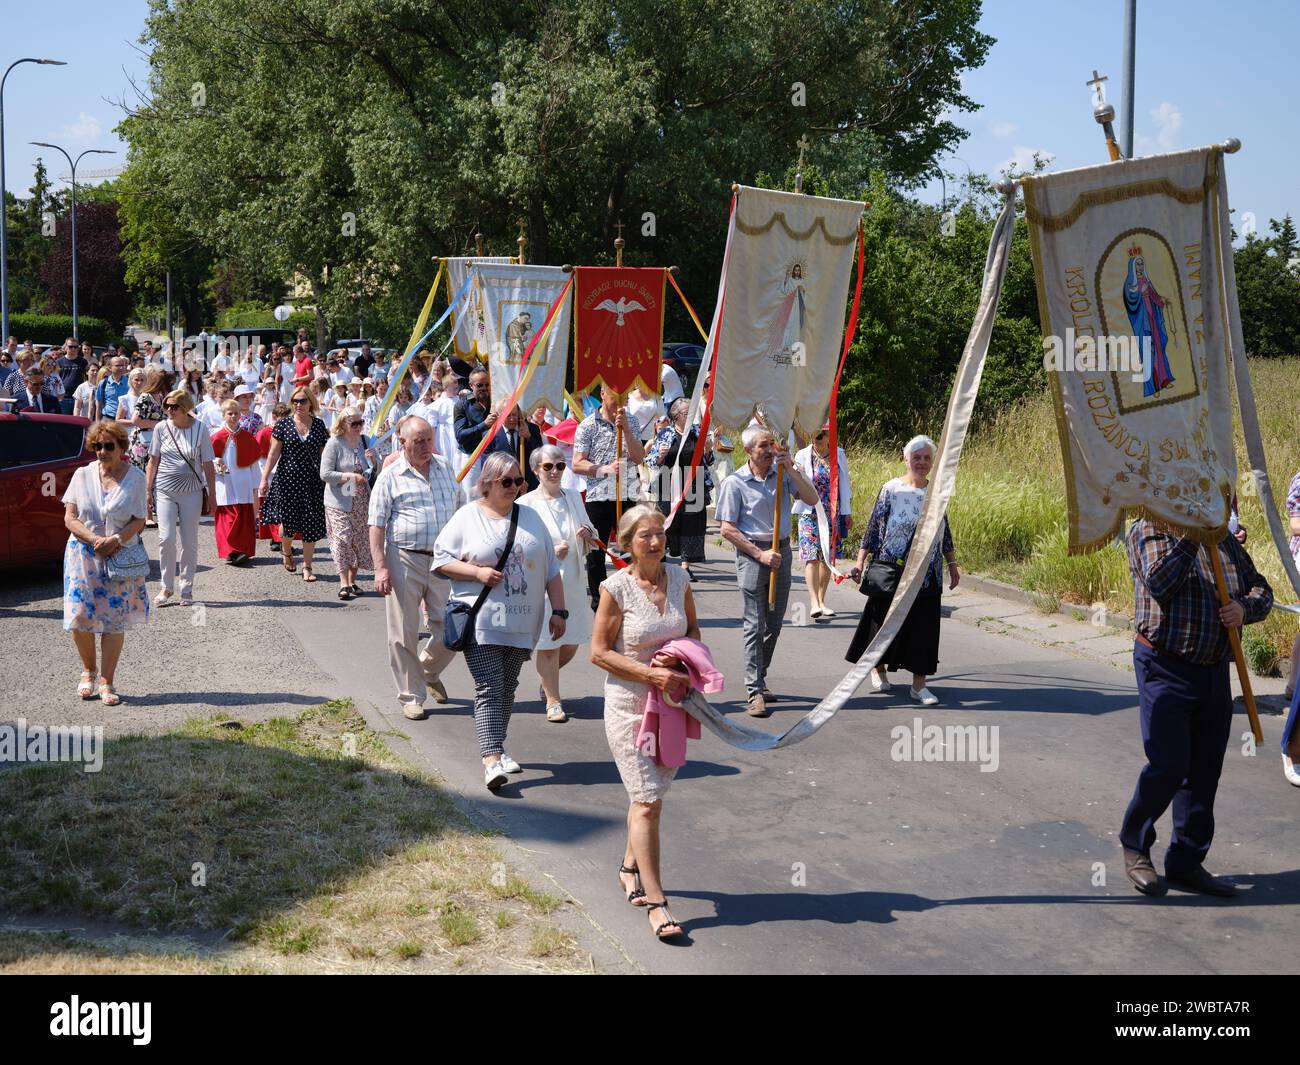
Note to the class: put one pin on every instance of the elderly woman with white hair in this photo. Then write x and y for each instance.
(887, 540)
(502, 566)
(565, 517)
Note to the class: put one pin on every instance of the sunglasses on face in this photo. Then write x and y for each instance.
(104, 445)
(356, 424)
(299, 400)
(512, 482)
(549, 466)
(171, 406)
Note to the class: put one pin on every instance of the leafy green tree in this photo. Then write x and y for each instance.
(1268, 291)
(352, 142)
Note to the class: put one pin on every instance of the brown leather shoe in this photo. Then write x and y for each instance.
(757, 706)
(1142, 874)
(1202, 882)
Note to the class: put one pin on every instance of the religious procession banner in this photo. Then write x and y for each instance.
(776, 344)
(618, 327)
(514, 303)
(1127, 259)
(467, 326)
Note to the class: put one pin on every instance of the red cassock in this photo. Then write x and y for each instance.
(236, 522)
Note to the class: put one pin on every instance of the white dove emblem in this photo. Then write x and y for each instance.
(620, 308)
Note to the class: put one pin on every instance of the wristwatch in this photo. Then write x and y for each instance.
(560, 614)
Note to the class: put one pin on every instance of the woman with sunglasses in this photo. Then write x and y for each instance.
(345, 465)
(511, 617)
(104, 511)
(292, 493)
(565, 518)
(181, 466)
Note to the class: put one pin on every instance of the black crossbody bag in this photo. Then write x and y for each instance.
(458, 619)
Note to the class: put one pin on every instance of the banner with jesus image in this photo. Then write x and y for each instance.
(1128, 263)
(777, 343)
(515, 301)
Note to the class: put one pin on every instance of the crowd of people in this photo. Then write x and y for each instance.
(509, 560)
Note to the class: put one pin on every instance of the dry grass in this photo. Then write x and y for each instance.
(308, 858)
(1008, 513)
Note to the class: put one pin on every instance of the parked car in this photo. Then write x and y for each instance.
(685, 359)
(38, 455)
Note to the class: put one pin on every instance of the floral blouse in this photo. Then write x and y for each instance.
(888, 536)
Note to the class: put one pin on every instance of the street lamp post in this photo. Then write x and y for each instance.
(4, 236)
(73, 163)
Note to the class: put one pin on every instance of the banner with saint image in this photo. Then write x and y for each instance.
(776, 347)
(515, 301)
(1127, 259)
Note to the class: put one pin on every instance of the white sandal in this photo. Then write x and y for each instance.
(163, 598)
(107, 695)
(555, 712)
(86, 689)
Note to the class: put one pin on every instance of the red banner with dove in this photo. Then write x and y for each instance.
(618, 327)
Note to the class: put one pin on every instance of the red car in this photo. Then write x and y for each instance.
(38, 455)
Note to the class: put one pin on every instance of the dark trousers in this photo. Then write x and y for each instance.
(1186, 713)
(66, 406)
(603, 521)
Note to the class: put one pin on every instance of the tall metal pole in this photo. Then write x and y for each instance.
(1126, 98)
(73, 164)
(4, 236)
(169, 307)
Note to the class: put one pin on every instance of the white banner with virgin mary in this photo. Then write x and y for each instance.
(776, 345)
(1132, 295)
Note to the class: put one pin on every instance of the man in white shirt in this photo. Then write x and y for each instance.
(670, 386)
(224, 362)
(414, 497)
(338, 372)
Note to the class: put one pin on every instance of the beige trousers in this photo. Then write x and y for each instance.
(414, 582)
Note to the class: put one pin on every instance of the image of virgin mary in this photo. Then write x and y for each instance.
(786, 334)
(1146, 315)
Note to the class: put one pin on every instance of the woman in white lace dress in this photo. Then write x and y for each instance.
(641, 608)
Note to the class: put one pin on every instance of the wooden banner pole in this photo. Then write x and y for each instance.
(1234, 639)
(776, 536)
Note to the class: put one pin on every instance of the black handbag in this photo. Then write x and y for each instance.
(458, 618)
(881, 579)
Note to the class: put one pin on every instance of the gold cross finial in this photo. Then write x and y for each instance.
(804, 144)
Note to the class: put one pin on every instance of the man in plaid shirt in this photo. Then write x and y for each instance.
(1180, 656)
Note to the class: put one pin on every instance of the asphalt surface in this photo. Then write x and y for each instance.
(830, 856)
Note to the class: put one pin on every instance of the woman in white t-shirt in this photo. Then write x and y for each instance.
(513, 613)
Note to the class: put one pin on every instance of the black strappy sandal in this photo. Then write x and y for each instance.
(660, 932)
(636, 892)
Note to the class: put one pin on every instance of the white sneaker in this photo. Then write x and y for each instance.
(494, 776)
(1289, 769)
(878, 685)
(509, 764)
(925, 696)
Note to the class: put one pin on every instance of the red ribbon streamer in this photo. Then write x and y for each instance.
(834, 444)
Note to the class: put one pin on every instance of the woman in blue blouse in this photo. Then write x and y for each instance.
(888, 539)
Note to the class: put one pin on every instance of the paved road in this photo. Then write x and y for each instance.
(826, 857)
(831, 856)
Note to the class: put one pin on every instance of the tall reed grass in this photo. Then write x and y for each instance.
(1008, 511)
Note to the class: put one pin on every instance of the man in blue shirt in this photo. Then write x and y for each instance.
(747, 513)
(111, 389)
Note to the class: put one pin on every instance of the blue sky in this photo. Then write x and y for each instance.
(1206, 71)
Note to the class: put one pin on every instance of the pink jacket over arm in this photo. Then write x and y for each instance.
(665, 726)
